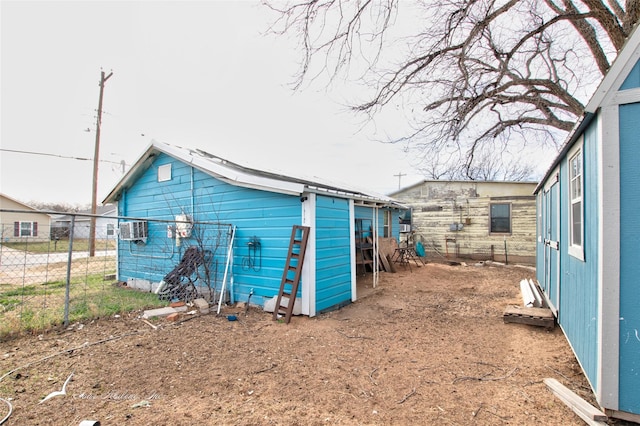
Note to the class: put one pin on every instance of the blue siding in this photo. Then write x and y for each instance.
(578, 306)
(266, 215)
(362, 212)
(333, 253)
(629, 384)
(395, 226)
(633, 79)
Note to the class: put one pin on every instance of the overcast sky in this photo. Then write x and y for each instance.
(195, 74)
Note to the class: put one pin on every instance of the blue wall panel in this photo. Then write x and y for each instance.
(578, 307)
(333, 253)
(265, 215)
(633, 79)
(629, 399)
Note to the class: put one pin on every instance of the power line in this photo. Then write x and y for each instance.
(57, 155)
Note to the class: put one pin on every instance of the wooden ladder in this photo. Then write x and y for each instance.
(295, 259)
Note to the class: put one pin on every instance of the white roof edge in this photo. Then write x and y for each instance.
(238, 175)
(240, 178)
(626, 59)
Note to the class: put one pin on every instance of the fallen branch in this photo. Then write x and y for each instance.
(84, 345)
(155, 327)
(407, 396)
(559, 373)
(354, 337)
(475, 413)
(271, 367)
(485, 378)
(371, 376)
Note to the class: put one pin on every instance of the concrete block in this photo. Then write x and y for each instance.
(160, 312)
(201, 305)
(139, 284)
(270, 304)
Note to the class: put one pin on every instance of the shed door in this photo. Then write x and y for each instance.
(550, 224)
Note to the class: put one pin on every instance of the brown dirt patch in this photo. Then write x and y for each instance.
(427, 346)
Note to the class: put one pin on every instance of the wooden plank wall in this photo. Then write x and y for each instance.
(438, 205)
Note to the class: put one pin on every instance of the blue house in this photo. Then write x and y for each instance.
(588, 237)
(183, 197)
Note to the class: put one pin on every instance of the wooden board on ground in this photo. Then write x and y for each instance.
(387, 246)
(541, 317)
(384, 262)
(392, 267)
(587, 412)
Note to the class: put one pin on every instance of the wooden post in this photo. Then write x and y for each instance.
(96, 155)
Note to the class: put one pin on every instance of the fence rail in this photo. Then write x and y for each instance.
(53, 273)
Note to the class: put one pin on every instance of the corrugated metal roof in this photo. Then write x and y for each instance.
(240, 175)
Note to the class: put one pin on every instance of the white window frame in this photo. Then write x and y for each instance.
(574, 197)
(387, 224)
(20, 232)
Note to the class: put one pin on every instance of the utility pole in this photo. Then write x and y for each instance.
(399, 176)
(96, 154)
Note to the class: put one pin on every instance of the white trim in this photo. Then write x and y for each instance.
(576, 251)
(623, 64)
(238, 178)
(374, 239)
(352, 249)
(309, 267)
(629, 96)
(609, 258)
(552, 244)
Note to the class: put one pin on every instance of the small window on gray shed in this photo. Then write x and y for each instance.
(500, 218)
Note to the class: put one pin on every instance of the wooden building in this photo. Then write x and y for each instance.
(480, 220)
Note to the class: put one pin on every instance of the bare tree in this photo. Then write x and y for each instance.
(489, 165)
(473, 72)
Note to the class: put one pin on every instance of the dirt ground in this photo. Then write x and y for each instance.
(426, 346)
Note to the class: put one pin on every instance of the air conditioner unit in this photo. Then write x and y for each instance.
(405, 227)
(133, 231)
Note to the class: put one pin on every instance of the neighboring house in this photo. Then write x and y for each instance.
(106, 223)
(588, 244)
(28, 223)
(168, 180)
(473, 219)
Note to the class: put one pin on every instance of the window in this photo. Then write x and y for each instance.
(25, 229)
(110, 229)
(164, 173)
(500, 217)
(576, 218)
(387, 224)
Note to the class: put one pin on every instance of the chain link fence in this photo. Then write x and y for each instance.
(52, 273)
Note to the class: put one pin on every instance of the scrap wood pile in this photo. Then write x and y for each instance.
(534, 309)
(386, 250)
